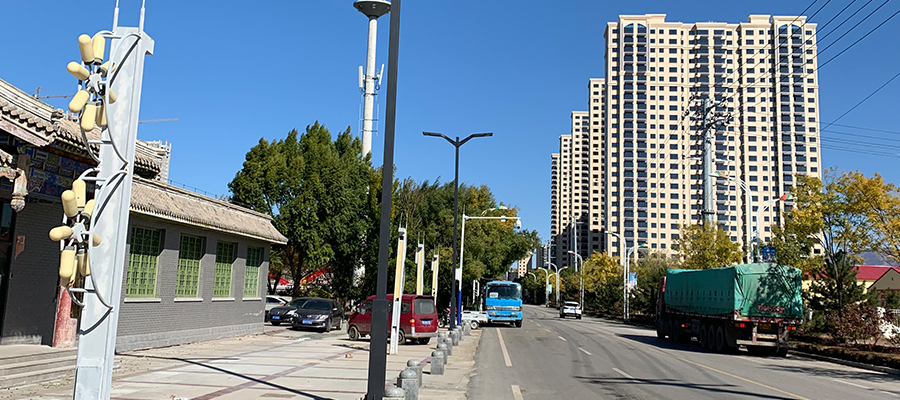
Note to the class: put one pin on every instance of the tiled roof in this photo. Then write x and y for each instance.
(161, 200)
(35, 122)
(873, 272)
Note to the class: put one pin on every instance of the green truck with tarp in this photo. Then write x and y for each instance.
(752, 305)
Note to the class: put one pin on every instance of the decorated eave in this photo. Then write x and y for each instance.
(38, 123)
(160, 200)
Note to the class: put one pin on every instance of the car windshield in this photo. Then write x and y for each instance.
(317, 305)
(504, 292)
(296, 302)
(571, 304)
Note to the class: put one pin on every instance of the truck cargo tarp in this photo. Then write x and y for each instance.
(753, 290)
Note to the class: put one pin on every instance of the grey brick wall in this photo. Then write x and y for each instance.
(164, 321)
(30, 312)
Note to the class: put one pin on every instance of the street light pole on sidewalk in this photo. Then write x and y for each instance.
(580, 264)
(378, 346)
(457, 277)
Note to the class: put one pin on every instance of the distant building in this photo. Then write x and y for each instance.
(632, 168)
(524, 265)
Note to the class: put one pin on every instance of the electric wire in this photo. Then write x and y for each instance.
(858, 40)
(854, 27)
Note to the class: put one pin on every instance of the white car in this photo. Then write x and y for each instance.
(570, 308)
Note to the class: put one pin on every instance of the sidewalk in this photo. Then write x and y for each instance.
(281, 364)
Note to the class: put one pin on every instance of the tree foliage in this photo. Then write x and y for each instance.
(326, 198)
(650, 268)
(705, 247)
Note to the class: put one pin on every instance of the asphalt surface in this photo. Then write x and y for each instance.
(590, 358)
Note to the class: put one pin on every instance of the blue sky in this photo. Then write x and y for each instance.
(237, 71)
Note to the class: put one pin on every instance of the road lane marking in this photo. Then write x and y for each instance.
(585, 351)
(546, 329)
(892, 394)
(537, 324)
(517, 393)
(503, 348)
(562, 338)
(721, 372)
(623, 373)
(851, 384)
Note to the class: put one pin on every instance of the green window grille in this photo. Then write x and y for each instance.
(251, 273)
(224, 260)
(142, 262)
(189, 255)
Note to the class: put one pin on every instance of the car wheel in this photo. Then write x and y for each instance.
(424, 340)
(473, 325)
(275, 323)
(353, 333)
(401, 337)
(328, 325)
(577, 317)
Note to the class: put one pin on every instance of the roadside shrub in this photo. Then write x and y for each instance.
(856, 324)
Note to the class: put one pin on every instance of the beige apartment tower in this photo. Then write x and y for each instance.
(636, 172)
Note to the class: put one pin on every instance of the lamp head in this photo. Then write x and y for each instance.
(373, 8)
(518, 224)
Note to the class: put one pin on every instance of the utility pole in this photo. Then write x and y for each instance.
(709, 212)
(372, 9)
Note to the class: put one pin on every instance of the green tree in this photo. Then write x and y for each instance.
(317, 192)
(703, 247)
(650, 268)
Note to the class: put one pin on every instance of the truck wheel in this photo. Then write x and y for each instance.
(781, 352)
(660, 330)
(710, 338)
(721, 346)
(677, 336)
(518, 323)
(703, 336)
(669, 330)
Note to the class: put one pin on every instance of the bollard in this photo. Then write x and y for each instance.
(449, 343)
(394, 393)
(409, 381)
(455, 337)
(443, 348)
(442, 335)
(467, 328)
(459, 333)
(416, 365)
(437, 362)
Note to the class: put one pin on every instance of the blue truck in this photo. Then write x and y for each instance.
(503, 302)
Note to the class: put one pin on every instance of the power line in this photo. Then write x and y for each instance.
(873, 153)
(854, 27)
(862, 143)
(819, 29)
(863, 136)
(845, 20)
(858, 40)
(863, 100)
(863, 129)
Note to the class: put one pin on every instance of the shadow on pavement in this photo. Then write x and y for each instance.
(665, 344)
(713, 388)
(225, 371)
(826, 371)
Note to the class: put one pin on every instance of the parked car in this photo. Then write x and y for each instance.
(280, 314)
(418, 319)
(324, 314)
(474, 318)
(272, 302)
(570, 308)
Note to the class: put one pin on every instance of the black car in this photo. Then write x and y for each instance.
(284, 313)
(325, 314)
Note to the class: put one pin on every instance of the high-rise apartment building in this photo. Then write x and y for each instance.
(639, 175)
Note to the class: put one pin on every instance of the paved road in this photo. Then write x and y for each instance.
(586, 359)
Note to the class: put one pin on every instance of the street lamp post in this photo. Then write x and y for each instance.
(458, 276)
(462, 249)
(546, 283)
(752, 220)
(762, 208)
(558, 269)
(627, 291)
(580, 264)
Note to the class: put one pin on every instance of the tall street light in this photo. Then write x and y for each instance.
(378, 347)
(751, 220)
(627, 290)
(581, 264)
(462, 250)
(458, 275)
(558, 269)
(762, 208)
(546, 284)
(371, 9)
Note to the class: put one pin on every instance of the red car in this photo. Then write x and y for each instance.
(418, 319)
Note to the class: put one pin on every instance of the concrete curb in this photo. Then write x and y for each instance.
(870, 367)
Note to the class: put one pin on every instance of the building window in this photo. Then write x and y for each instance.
(189, 255)
(224, 261)
(142, 262)
(251, 273)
